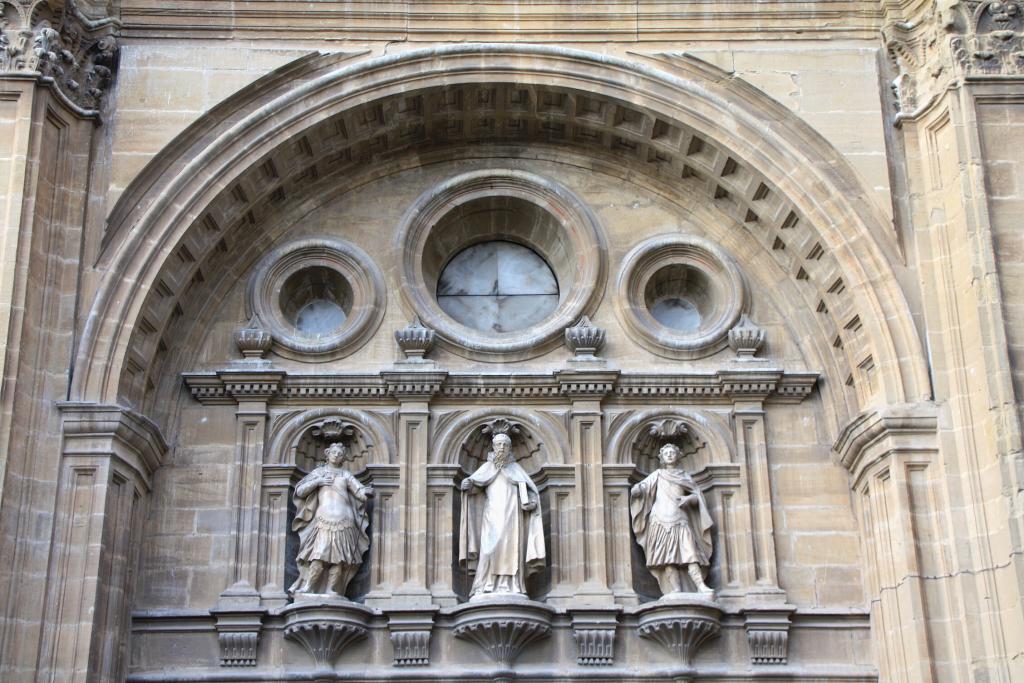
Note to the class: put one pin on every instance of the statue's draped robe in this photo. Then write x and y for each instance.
(503, 543)
(679, 538)
(325, 541)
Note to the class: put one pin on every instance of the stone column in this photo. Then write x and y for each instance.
(408, 573)
(748, 391)
(891, 455)
(441, 496)
(252, 390)
(278, 483)
(108, 458)
(586, 390)
(238, 611)
(618, 531)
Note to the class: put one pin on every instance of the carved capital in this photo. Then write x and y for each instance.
(53, 40)
(410, 635)
(768, 633)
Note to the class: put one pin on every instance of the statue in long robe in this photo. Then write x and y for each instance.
(672, 525)
(332, 523)
(501, 533)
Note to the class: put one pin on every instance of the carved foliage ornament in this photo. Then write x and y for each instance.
(55, 40)
(954, 39)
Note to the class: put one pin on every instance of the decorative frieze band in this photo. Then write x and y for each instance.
(774, 386)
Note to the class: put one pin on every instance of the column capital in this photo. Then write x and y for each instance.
(876, 434)
(92, 429)
(75, 55)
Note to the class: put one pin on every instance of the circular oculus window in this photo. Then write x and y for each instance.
(320, 298)
(499, 263)
(498, 286)
(680, 296)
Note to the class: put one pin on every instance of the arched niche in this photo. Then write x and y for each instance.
(296, 445)
(709, 455)
(461, 444)
(775, 175)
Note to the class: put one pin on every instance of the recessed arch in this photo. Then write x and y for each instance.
(666, 121)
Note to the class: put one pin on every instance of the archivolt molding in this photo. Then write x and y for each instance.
(758, 169)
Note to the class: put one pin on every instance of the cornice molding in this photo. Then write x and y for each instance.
(874, 435)
(226, 387)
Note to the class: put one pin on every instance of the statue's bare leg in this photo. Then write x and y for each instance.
(316, 568)
(698, 578)
(670, 580)
(334, 577)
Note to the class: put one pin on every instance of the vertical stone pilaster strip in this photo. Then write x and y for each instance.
(586, 390)
(413, 389)
(753, 452)
(252, 390)
(108, 456)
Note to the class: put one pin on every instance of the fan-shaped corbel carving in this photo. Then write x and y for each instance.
(478, 444)
(656, 433)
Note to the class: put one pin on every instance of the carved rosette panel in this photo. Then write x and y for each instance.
(681, 627)
(503, 629)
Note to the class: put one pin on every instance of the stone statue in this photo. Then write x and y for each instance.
(332, 523)
(672, 525)
(501, 534)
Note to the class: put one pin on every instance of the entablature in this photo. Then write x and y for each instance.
(227, 386)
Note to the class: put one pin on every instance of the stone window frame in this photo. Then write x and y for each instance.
(581, 235)
(353, 264)
(729, 294)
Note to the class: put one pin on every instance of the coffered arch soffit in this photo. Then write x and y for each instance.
(686, 122)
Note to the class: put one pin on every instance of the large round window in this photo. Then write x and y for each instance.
(497, 286)
(499, 262)
(320, 298)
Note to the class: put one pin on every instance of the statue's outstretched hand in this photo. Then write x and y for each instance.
(369, 492)
(466, 485)
(530, 506)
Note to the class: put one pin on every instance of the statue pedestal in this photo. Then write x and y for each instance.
(681, 623)
(325, 625)
(502, 625)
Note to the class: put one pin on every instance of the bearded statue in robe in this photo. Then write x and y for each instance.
(332, 523)
(501, 534)
(672, 525)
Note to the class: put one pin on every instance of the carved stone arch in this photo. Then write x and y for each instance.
(376, 442)
(759, 168)
(545, 442)
(716, 443)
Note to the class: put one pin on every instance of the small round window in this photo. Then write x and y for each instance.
(678, 297)
(316, 300)
(498, 286)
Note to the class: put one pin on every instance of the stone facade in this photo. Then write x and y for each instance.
(783, 238)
